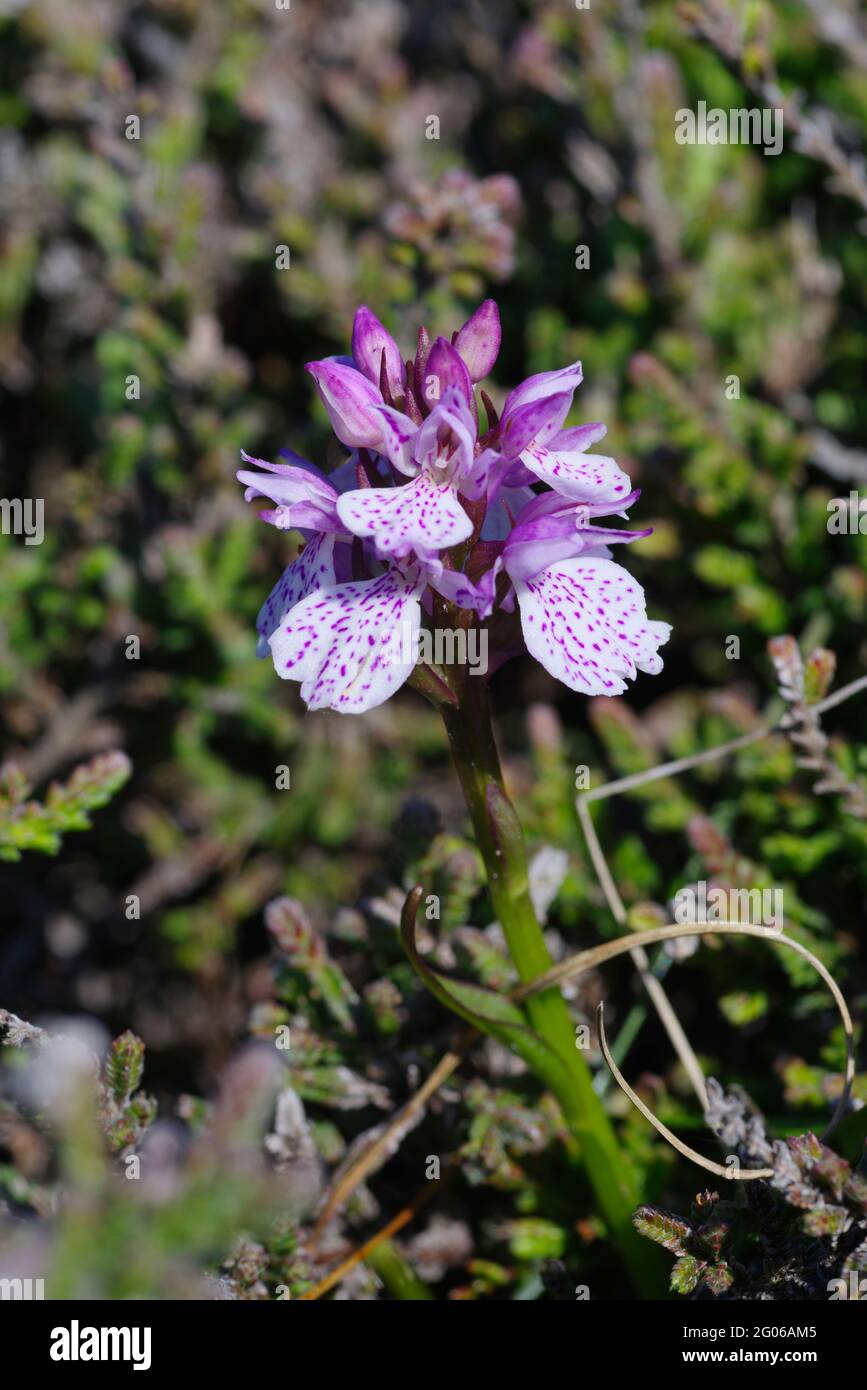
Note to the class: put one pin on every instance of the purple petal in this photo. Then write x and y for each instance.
(546, 503)
(293, 460)
(345, 477)
(447, 437)
(500, 517)
(314, 477)
(526, 506)
(398, 437)
(444, 368)
(597, 536)
(536, 545)
(517, 475)
(370, 339)
(543, 384)
(478, 342)
(579, 438)
(459, 589)
(485, 475)
(304, 499)
(351, 402)
(533, 422)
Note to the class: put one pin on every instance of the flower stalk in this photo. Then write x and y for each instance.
(430, 518)
(501, 842)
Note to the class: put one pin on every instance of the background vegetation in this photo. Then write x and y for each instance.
(156, 258)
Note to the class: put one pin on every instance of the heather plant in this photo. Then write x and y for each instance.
(799, 1235)
(104, 1162)
(26, 824)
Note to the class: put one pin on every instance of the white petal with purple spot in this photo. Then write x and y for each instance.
(585, 621)
(398, 436)
(352, 645)
(578, 476)
(422, 515)
(314, 569)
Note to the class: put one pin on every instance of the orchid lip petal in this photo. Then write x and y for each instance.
(585, 621)
(352, 645)
(423, 515)
(313, 569)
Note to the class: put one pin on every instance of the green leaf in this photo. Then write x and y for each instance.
(667, 1230)
(686, 1274)
(488, 1011)
(718, 1278)
(124, 1066)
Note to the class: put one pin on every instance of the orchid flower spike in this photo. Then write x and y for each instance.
(425, 504)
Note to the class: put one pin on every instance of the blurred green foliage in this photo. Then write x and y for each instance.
(155, 157)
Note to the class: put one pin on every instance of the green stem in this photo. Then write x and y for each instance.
(396, 1273)
(500, 840)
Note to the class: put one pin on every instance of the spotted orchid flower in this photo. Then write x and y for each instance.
(304, 501)
(583, 617)
(424, 515)
(353, 389)
(339, 640)
(434, 511)
(339, 644)
(539, 449)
